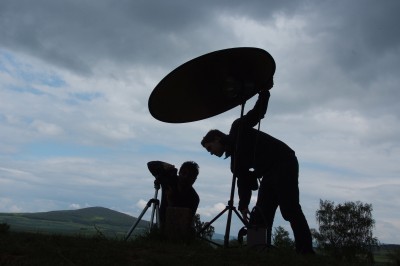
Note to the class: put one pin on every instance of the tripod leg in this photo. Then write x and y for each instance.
(213, 220)
(158, 215)
(155, 212)
(230, 206)
(228, 228)
(156, 202)
(137, 221)
(152, 217)
(240, 216)
(228, 223)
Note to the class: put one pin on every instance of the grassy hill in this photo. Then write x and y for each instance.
(84, 221)
(59, 238)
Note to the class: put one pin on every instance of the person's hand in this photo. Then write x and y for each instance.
(245, 214)
(269, 85)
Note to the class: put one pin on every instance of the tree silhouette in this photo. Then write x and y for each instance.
(281, 239)
(345, 230)
(198, 225)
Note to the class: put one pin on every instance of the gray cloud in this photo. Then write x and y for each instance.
(79, 34)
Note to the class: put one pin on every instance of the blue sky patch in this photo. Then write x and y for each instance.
(87, 97)
(54, 149)
(27, 89)
(24, 72)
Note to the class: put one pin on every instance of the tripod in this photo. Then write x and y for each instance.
(155, 211)
(230, 207)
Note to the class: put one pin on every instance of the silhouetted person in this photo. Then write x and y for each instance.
(177, 188)
(259, 155)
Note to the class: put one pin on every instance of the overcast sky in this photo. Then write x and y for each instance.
(75, 78)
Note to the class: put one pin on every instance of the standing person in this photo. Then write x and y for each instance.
(255, 154)
(176, 187)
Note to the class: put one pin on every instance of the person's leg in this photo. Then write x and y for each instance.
(299, 225)
(289, 203)
(267, 203)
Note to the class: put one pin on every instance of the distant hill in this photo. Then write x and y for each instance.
(82, 221)
(389, 247)
(87, 216)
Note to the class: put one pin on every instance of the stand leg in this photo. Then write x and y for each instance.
(137, 221)
(230, 206)
(228, 221)
(158, 216)
(155, 211)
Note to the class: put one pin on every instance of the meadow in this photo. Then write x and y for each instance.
(18, 248)
(96, 236)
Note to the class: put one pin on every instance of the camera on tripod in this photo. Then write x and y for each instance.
(165, 173)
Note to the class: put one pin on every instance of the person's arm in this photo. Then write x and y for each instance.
(156, 168)
(195, 203)
(244, 192)
(165, 174)
(259, 110)
(159, 168)
(246, 183)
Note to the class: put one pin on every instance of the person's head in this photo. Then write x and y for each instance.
(214, 142)
(188, 173)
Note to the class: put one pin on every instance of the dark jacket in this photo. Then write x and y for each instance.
(185, 197)
(253, 149)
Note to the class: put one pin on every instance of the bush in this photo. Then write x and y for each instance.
(281, 239)
(4, 228)
(394, 257)
(345, 230)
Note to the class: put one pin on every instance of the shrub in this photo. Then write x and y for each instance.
(4, 228)
(345, 230)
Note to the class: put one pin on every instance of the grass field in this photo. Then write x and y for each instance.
(45, 249)
(18, 248)
(95, 236)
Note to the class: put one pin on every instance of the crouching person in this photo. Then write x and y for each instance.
(179, 199)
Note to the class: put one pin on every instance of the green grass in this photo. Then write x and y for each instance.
(95, 236)
(48, 249)
(387, 255)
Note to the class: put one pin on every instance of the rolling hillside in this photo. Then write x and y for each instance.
(86, 221)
